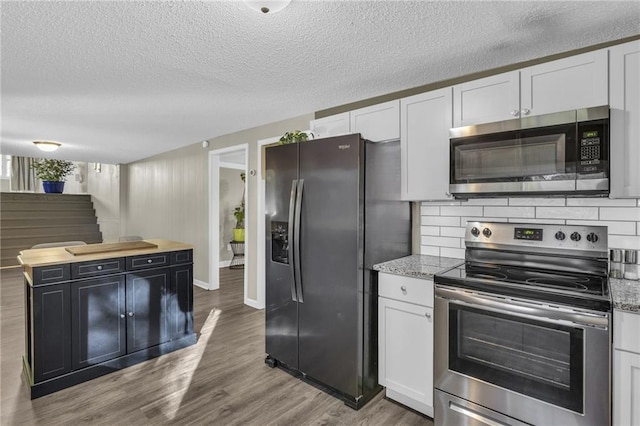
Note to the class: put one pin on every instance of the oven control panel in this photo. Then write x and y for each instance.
(538, 237)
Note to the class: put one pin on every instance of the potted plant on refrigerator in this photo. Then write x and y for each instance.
(295, 137)
(53, 174)
(238, 213)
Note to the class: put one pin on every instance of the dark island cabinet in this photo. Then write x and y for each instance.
(98, 321)
(49, 348)
(105, 315)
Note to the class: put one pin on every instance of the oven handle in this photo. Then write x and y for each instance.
(531, 310)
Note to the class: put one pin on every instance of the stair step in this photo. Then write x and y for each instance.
(32, 214)
(30, 196)
(45, 206)
(42, 231)
(6, 223)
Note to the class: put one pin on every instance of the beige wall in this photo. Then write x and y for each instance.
(167, 196)
(104, 186)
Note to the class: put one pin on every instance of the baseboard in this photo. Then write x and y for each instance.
(201, 284)
(224, 263)
(252, 303)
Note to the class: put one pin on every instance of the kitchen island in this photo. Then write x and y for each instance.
(94, 309)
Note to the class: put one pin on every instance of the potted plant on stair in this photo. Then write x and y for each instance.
(53, 174)
(238, 213)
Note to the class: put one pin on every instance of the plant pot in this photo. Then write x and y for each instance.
(238, 234)
(53, 187)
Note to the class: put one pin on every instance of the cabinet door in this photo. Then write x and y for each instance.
(377, 122)
(406, 352)
(579, 81)
(494, 98)
(625, 120)
(51, 310)
(98, 320)
(626, 388)
(333, 125)
(181, 302)
(425, 120)
(147, 308)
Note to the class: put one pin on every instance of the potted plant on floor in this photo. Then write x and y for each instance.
(238, 213)
(53, 174)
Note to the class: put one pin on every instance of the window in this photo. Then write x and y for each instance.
(5, 167)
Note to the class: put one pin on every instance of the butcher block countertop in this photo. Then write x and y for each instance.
(59, 255)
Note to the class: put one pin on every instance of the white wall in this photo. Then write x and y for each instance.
(443, 223)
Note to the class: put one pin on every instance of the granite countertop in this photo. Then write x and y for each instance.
(625, 295)
(418, 265)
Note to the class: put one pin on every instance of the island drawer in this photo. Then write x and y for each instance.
(147, 261)
(94, 268)
(406, 289)
(183, 256)
(51, 274)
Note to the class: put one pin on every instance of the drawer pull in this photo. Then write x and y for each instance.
(149, 261)
(428, 315)
(403, 288)
(130, 314)
(122, 315)
(99, 267)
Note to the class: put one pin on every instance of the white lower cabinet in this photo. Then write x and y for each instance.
(405, 346)
(626, 369)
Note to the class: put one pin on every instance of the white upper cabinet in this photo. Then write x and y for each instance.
(625, 120)
(425, 120)
(494, 98)
(377, 123)
(333, 125)
(571, 83)
(578, 81)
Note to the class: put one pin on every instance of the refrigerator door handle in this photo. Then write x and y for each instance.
(296, 240)
(290, 248)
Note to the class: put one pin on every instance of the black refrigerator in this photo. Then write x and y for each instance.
(333, 210)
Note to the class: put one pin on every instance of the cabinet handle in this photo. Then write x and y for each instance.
(403, 288)
(130, 314)
(122, 315)
(99, 267)
(526, 111)
(515, 113)
(428, 315)
(149, 261)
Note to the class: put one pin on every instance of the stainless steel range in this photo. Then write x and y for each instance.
(523, 328)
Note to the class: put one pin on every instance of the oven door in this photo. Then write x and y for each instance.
(541, 365)
(533, 160)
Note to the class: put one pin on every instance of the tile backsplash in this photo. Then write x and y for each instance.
(443, 223)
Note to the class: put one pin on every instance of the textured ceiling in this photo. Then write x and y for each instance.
(120, 81)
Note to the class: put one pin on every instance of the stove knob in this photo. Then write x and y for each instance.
(575, 237)
(486, 232)
(592, 237)
(475, 231)
(560, 236)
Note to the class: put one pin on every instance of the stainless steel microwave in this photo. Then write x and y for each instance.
(565, 153)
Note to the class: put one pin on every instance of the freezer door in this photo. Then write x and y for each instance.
(281, 313)
(330, 317)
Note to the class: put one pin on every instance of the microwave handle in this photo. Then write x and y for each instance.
(519, 308)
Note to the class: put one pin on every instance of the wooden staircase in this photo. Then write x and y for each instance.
(27, 219)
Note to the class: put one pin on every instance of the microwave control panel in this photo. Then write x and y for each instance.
(592, 155)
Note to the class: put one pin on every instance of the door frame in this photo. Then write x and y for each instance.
(214, 215)
(260, 212)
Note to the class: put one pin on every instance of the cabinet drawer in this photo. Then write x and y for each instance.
(184, 256)
(95, 268)
(147, 261)
(51, 274)
(407, 289)
(625, 331)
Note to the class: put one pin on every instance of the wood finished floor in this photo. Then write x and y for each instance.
(222, 380)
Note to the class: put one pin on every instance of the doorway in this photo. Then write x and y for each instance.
(221, 161)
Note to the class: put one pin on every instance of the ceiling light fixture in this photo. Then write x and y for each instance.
(267, 6)
(47, 146)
